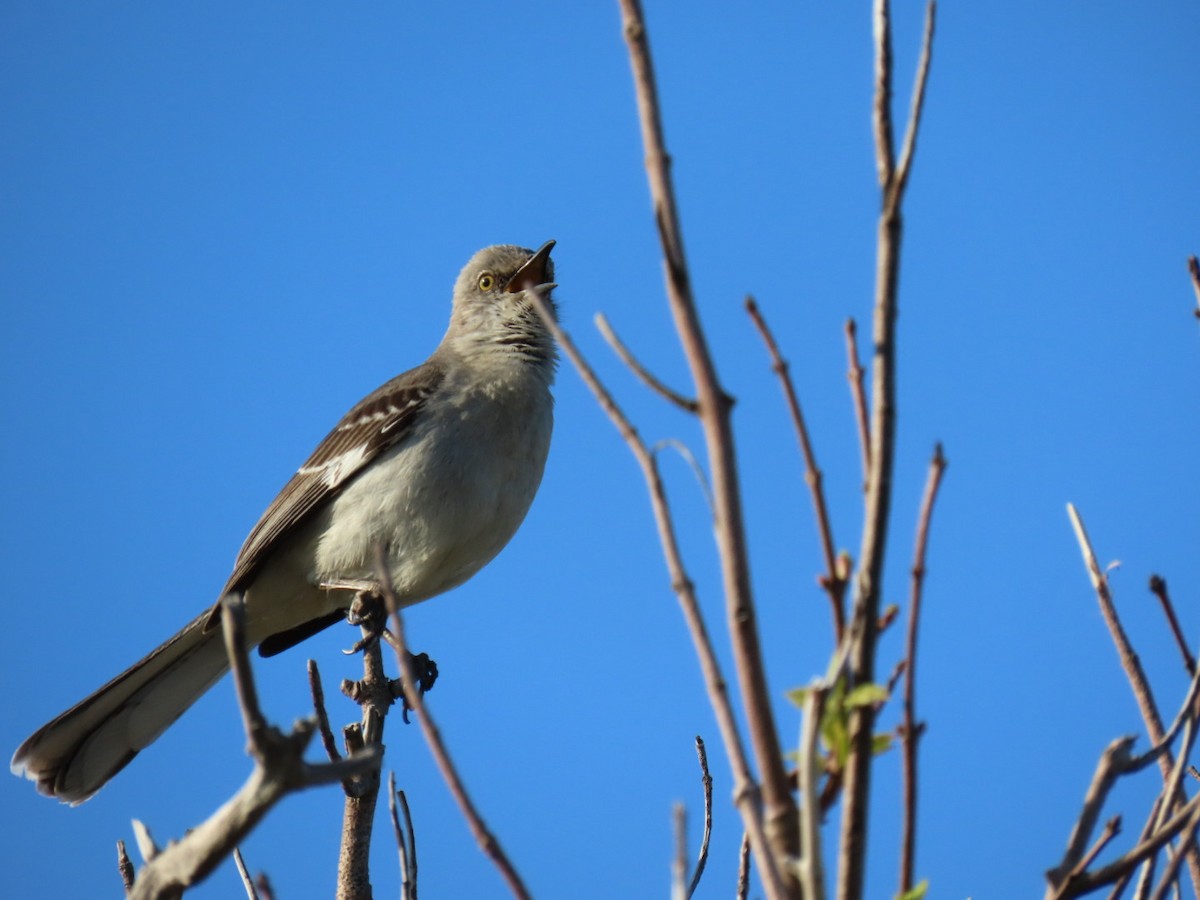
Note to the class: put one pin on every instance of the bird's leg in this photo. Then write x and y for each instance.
(369, 612)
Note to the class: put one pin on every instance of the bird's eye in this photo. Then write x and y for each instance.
(487, 281)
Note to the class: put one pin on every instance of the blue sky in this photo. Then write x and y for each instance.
(224, 224)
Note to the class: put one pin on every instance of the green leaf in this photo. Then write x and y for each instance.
(866, 695)
(799, 696)
(881, 743)
(916, 892)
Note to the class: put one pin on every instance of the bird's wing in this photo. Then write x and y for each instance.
(382, 419)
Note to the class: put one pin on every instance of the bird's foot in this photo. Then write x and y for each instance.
(368, 612)
(424, 672)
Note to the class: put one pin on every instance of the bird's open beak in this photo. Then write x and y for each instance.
(534, 272)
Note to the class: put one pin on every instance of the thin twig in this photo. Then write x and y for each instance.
(1158, 586)
(1133, 671)
(1171, 872)
(1086, 882)
(858, 394)
(687, 404)
(743, 882)
(412, 845)
(125, 867)
(247, 881)
(912, 730)
(318, 697)
(706, 780)
(852, 851)
(745, 789)
(908, 149)
(487, 841)
(778, 808)
(834, 584)
(811, 862)
(679, 857)
(404, 840)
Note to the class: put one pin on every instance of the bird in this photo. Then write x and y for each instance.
(439, 466)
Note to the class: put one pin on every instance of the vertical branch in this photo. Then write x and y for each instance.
(715, 407)
(868, 585)
(912, 729)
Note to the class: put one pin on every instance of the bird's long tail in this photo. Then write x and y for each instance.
(75, 754)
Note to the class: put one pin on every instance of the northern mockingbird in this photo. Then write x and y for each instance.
(439, 465)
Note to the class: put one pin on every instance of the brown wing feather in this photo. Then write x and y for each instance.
(379, 421)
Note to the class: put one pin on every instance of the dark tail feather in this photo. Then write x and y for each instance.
(74, 755)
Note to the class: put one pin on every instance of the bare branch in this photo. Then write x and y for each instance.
(247, 881)
(125, 867)
(1171, 873)
(743, 882)
(1133, 672)
(1114, 761)
(487, 841)
(918, 103)
(745, 790)
(679, 857)
(833, 582)
(911, 732)
(881, 118)
(1086, 882)
(811, 863)
(779, 820)
(318, 696)
(687, 404)
(405, 840)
